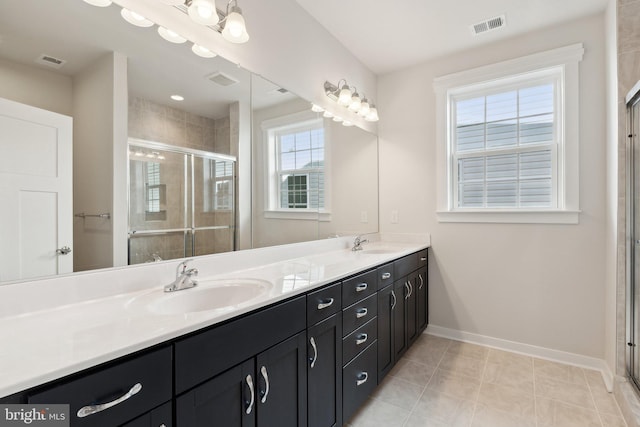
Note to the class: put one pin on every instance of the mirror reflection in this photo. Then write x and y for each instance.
(168, 154)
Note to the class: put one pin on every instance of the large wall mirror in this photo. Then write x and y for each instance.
(240, 162)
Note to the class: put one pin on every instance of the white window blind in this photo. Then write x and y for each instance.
(504, 147)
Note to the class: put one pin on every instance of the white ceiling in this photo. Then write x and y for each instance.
(388, 36)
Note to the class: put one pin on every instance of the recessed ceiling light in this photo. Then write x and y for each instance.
(177, 97)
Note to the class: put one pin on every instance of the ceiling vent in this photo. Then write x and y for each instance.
(222, 79)
(279, 91)
(50, 61)
(488, 25)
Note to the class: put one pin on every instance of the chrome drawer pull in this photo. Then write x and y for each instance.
(249, 381)
(94, 409)
(361, 312)
(361, 287)
(315, 352)
(362, 339)
(421, 281)
(362, 378)
(386, 276)
(325, 304)
(423, 258)
(395, 300)
(406, 286)
(263, 371)
(410, 288)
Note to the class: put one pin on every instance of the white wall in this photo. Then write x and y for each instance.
(35, 86)
(542, 285)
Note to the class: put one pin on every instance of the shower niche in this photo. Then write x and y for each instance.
(181, 202)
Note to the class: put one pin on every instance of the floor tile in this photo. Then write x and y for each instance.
(508, 399)
(509, 375)
(468, 350)
(376, 413)
(427, 352)
(398, 392)
(612, 420)
(413, 372)
(439, 409)
(552, 413)
(489, 417)
(559, 371)
(511, 360)
(469, 366)
(571, 393)
(454, 384)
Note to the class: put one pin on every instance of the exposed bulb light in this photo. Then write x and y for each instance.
(170, 35)
(372, 116)
(177, 97)
(316, 108)
(364, 108)
(99, 3)
(235, 29)
(135, 18)
(355, 102)
(344, 98)
(204, 12)
(347, 123)
(337, 119)
(202, 51)
(327, 114)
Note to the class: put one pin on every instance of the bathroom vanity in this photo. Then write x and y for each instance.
(307, 352)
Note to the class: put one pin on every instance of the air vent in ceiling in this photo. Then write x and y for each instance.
(488, 25)
(50, 61)
(222, 79)
(279, 91)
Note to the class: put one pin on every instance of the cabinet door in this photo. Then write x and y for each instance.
(387, 301)
(411, 289)
(399, 323)
(282, 384)
(227, 400)
(324, 364)
(159, 417)
(422, 297)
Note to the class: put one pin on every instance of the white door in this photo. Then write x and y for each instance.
(36, 192)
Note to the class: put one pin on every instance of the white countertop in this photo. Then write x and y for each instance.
(55, 327)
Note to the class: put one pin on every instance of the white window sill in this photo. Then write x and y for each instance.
(299, 215)
(511, 216)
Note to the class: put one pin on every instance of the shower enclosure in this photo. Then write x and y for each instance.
(633, 241)
(181, 202)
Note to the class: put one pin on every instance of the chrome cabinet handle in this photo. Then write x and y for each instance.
(410, 288)
(263, 371)
(362, 339)
(423, 258)
(315, 352)
(361, 312)
(63, 250)
(421, 281)
(249, 381)
(408, 293)
(361, 287)
(395, 300)
(85, 411)
(386, 276)
(326, 304)
(362, 378)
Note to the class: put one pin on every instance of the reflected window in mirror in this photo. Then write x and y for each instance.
(296, 163)
(218, 185)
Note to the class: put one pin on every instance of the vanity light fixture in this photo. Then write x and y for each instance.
(347, 96)
(347, 123)
(337, 119)
(327, 114)
(202, 51)
(235, 29)
(203, 12)
(177, 97)
(170, 35)
(316, 108)
(99, 3)
(135, 18)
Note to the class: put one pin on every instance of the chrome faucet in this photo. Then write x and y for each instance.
(357, 243)
(184, 278)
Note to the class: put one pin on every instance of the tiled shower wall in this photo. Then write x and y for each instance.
(159, 123)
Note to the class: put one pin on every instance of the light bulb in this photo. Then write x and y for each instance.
(99, 3)
(202, 51)
(337, 119)
(364, 108)
(135, 18)
(235, 29)
(316, 108)
(204, 12)
(373, 115)
(177, 97)
(355, 102)
(170, 35)
(327, 114)
(347, 123)
(344, 98)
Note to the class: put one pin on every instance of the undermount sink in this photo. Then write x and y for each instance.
(208, 295)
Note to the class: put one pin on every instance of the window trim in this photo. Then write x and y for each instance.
(271, 209)
(567, 211)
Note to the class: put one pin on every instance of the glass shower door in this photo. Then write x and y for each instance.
(633, 298)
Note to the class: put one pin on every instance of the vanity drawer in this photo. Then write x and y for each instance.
(359, 379)
(207, 354)
(423, 258)
(358, 340)
(358, 314)
(323, 303)
(162, 416)
(405, 265)
(153, 372)
(385, 275)
(359, 287)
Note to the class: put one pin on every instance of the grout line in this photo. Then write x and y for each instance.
(475, 403)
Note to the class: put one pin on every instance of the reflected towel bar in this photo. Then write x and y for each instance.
(84, 215)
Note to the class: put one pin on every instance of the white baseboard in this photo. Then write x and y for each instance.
(528, 350)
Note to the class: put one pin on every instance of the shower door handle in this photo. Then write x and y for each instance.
(63, 250)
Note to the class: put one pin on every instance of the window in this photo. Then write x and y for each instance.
(218, 184)
(295, 166)
(507, 141)
(153, 187)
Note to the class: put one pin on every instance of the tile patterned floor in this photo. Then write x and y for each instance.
(445, 383)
